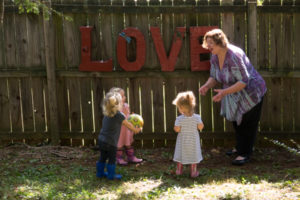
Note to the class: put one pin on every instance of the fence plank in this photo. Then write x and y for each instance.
(275, 40)
(263, 41)
(275, 110)
(286, 56)
(146, 111)
(26, 100)
(240, 30)
(297, 102)
(21, 40)
(296, 37)
(14, 104)
(63, 107)
(36, 57)
(9, 39)
(59, 41)
(158, 109)
(155, 20)
(4, 106)
(2, 47)
(97, 89)
(183, 60)
(38, 85)
(107, 48)
(72, 39)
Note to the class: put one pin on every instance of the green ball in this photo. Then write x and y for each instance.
(136, 120)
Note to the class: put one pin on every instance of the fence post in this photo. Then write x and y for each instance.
(51, 78)
(252, 31)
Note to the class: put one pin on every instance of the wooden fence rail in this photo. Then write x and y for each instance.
(38, 86)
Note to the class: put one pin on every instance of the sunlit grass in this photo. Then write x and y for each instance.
(23, 177)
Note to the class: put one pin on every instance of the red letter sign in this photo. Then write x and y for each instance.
(140, 49)
(168, 63)
(197, 49)
(86, 63)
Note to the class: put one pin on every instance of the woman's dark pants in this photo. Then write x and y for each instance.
(247, 130)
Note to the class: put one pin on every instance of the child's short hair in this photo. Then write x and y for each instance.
(186, 99)
(111, 104)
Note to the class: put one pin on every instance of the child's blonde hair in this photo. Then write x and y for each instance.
(185, 99)
(111, 104)
(116, 89)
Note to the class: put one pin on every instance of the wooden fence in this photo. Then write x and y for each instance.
(43, 94)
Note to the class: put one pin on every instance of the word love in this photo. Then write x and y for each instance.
(167, 62)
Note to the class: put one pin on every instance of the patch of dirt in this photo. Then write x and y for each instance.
(271, 160)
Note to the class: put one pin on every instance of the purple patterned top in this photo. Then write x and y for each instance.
(237, 67)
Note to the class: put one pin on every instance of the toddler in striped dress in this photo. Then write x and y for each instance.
(188, 149)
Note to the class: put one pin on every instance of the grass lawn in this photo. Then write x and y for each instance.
(49, 172)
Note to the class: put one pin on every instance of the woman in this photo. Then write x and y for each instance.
(242, 94)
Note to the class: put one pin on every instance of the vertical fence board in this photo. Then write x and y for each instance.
(60, 40)
(158, 109)
(131, 21)
(97, 89)
(183, 56)
(35, 50)
(4, 106)
(286, 56)
(14, 104)
(86, 107)
(288, 106)
(275, 104)
(21, 40)
(263, 41)
(275, 39)
(146, 109)
(39, 104)
(74, 109)
(296, 37)
(106, 48)
(72, 39)
(118, 26)
(134, 96)
(240, 30)
(2, 47)
(155, 20)
(297, 102)
(63, 107)
(9, 39)
(170, 108)
(26, 99)
(167, 32)
(94, 21)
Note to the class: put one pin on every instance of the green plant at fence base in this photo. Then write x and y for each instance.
(36, 6)
(290, 149)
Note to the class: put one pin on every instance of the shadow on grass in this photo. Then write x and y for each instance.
(23, 177)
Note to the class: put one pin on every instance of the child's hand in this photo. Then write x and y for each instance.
(137, 130)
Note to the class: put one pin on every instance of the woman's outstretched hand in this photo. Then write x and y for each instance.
(219, 96)
(203, 90)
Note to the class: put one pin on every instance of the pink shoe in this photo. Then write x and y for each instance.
(194, 172)
(120, 160)
(131, 157)
(179, 168)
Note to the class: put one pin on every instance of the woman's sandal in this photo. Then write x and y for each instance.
(231, 152)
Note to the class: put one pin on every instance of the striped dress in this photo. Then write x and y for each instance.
(188, 149)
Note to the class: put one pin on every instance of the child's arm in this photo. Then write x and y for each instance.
(200, 126)
(177, 129)
(131, 127)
